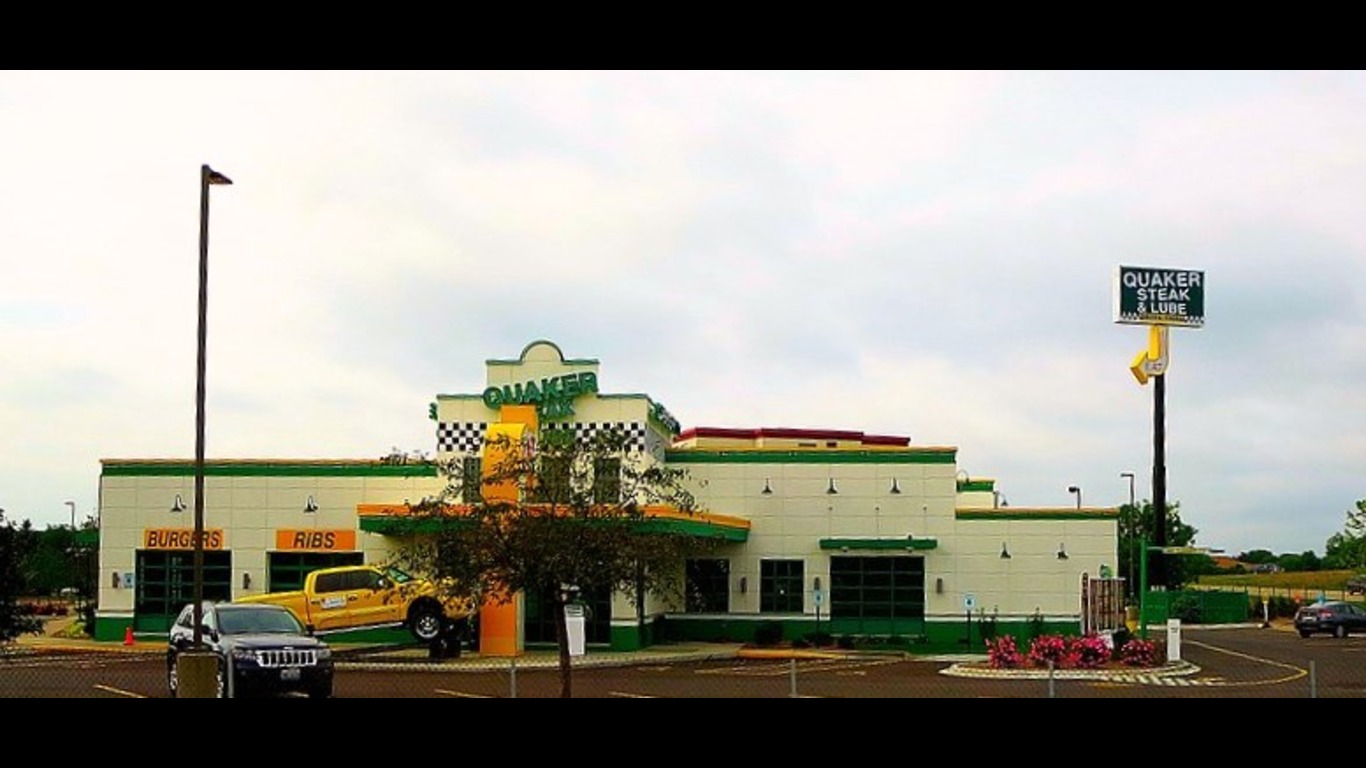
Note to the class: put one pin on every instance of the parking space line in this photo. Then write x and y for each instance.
(120, 692)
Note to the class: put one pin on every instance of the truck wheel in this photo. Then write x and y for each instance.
(427, 625)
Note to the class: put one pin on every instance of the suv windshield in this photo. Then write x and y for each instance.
(244, 621)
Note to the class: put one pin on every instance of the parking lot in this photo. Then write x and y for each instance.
(1244, 662)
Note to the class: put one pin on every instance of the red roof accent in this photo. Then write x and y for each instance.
(791, 434)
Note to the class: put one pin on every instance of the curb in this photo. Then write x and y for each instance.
(1170, 669)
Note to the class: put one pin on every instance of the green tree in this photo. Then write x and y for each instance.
(1257, 557)
(579, 521)
(1135, 526)
(1347, 549)
(1304, 561)
(16, 542)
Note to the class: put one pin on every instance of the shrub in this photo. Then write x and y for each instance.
(1088, 652)
(1048, 650)
(1003, 654)
(768, 633)
(1186, 608)
(819, 639)
(1117, 640)
(1139, 653)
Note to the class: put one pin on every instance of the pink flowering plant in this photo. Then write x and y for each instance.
(1138, 653)
(1088, 651)
(1048, 650)
(1002, 653)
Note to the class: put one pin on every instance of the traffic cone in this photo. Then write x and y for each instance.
(128, 636)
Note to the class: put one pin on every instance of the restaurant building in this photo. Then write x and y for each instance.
(834, 531)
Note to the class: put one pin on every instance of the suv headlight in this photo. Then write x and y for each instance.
(324, 652)
(243, 654)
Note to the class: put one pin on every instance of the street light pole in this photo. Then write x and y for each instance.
(72, 505)
(207, 178)
(1076, 489)
(1133, 528)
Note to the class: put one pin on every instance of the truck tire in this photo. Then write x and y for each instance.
(427, 623)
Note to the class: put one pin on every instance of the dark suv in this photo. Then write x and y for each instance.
(1335, 617)
(261, 650)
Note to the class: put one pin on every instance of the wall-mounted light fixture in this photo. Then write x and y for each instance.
(768, 489)
(310, 505)
(895, 487)
(115, 582)
(246, 580)
(939, 586)
(1005, 553)
(1062, 551)
(744, 585)
(178, 505)
(817, 584)
(831, 488)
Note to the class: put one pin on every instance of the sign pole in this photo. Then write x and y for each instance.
(1160, 477)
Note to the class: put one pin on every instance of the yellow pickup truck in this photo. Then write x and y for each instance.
(354, 597)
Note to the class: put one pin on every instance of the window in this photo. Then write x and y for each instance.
(471, 480)
(707, 585)
(780, 586)
(552, 480)
(331, 582)
(607, 481)
(877, 588)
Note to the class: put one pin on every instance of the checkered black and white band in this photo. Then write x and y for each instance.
(468, 436)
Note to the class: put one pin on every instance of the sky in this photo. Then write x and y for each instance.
(927, 254)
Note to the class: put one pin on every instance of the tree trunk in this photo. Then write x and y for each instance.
(562, 641)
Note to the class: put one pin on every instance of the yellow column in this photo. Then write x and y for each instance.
(500, 623)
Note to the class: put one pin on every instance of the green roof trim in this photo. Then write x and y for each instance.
(401, 526)
(928, 456)
(976, 485)
(404, 526)
(267, 469)
(880, 544)
(1050, 514)
(87, 537)
(698, 528)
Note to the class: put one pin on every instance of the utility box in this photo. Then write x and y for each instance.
(1173, 639)
(574, 627)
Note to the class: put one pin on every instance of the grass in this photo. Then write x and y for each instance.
(1334, 581)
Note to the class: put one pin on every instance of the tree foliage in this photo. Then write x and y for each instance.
(16, 542)
(1137, 524)
(578, 518)
(1347, 549)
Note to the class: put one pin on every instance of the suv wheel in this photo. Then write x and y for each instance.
(1340, 631)
(172, 679)
(220, 682)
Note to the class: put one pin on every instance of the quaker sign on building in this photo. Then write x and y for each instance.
(1159, 296)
